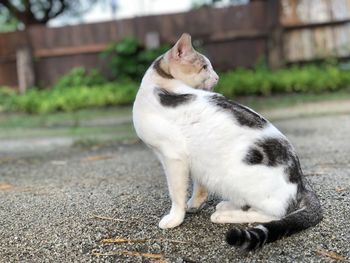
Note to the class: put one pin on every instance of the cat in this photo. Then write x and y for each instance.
(227, 149)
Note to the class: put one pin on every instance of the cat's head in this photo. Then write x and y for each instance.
(190, 66)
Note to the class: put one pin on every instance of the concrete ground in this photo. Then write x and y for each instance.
(66, 204)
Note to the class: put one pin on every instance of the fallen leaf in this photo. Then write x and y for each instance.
(146, 255)
(129, 253)
(5, 186)
(125, 240)
(340, 189)
(108, 218)
(122, 240)
(330, 254)
(97, 158)
(6, 159)
(58, 162)
(173, 241)
(161, 260)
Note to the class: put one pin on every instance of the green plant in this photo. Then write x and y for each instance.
(80, 77)
(130, 59)
(263, 81)
(74, 98)
(6, 93)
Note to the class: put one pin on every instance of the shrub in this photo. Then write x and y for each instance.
(129, 59)
(6, 93)
(262, 81)
(74, 98)
(80, 77)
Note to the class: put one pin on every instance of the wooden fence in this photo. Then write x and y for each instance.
(285, 31)
(315, 29)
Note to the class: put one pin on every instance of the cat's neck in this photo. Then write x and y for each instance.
(158, 75)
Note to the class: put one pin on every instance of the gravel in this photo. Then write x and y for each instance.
(58, 206)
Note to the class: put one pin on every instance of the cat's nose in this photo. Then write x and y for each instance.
(216, 77)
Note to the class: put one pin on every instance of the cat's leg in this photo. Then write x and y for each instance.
(226, 205)
(239, 216)
(199, 196)
(177, 174)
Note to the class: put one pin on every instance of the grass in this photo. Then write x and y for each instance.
(89, 127)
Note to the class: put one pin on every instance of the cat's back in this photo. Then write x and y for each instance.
(215, 121)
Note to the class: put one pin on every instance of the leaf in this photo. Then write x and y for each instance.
(340, 189)
(122, 240)
(97, 158)
(174, 241)
(5, 159)
(136, 253)
(129, 253)
(125, 240)
(5, 186)
(58, 163)
(330, 254)
(108, 218)
(160, 260)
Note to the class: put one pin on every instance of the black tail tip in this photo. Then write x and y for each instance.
(234, 237)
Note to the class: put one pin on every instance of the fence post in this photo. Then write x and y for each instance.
(275, 37)
(25, 69)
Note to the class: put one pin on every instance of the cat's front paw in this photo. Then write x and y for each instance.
(171, 220)
(198, 198)
(195, 207)
(194, 203)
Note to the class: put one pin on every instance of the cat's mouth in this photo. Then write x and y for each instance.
(207, 85)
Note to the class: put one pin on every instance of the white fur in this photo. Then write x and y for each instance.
(199, 139)
(239, 216)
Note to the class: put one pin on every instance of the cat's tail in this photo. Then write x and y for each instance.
(308, 214)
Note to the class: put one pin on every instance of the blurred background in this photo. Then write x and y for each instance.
(69, 70)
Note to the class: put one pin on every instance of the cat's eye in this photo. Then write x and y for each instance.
(205, 67)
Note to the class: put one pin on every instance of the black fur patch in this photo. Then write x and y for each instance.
(170, 99)
(243, 115)
(245, 207)
(262, 236)
(235, 237)
(254, 156)
(294, 170)
(276, 230)
(277, 150)
(274, 152)
(254, 240)
(247, 239)
(160, 70)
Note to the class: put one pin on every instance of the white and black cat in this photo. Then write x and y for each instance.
(227, 149)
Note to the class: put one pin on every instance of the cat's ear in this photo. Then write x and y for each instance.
(182, 47)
